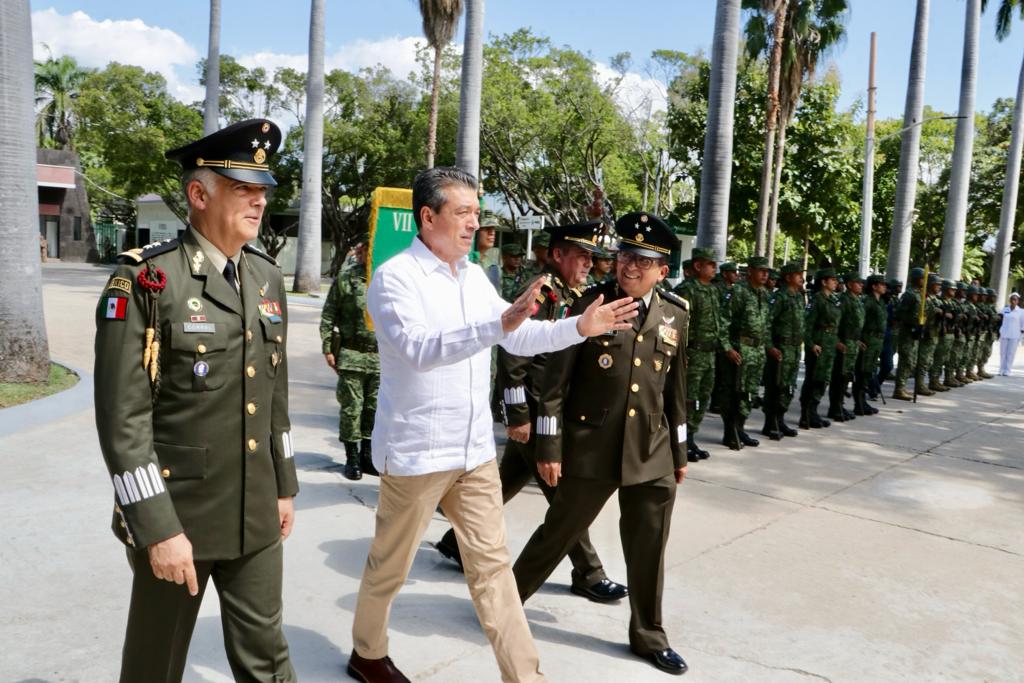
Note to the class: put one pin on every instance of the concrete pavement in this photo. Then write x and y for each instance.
(884, 549)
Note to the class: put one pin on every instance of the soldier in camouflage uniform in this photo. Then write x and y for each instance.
(851, 324)
(707, 338)
(513, 275)
(350, 349)
(942, 371)
(908, 334)
(786, 328)
(961, 337)
(894, 289)
(872, 337)
(747, 315)
(539, 245)
(820, 345)
(604, 267)
(989, 329)
(930, 335)
(724, 281)
(972, 326)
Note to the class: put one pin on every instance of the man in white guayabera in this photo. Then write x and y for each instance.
(1009, 334)
(436, 317)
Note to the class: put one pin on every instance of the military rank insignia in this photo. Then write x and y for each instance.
(669, 335)
(271, 310)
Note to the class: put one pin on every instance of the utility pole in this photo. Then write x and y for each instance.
(869, 170)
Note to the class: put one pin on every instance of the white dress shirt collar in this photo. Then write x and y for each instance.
(429, 261)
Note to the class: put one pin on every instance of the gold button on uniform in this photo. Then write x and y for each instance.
(583, 418)
(636, 362)
(201, 348)
(165, 473)
(251, 371)
(632, 412)
(252, 444)
(250, 408)
(604, 343)
(248, 335)
(635, 388)
(639, 337)
(278, 339)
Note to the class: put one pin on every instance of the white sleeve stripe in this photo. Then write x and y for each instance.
(133, 487)
(129, 485)
(547, 426)
(515, 396)
(286, 442)
(122, 495)
(142, 479)
(156, 479)
(681, 433)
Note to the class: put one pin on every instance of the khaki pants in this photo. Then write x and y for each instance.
(472, 502)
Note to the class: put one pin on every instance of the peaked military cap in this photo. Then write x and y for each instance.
(240, 152)
(645, 234)
(757, 262)
(1015, 295)
(792, 267)
(824, 273)
(541, 239)
(512, 249)
(727, 267)
(488, 219)
(702, 254)
(583, 235)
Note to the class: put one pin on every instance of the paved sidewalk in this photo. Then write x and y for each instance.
(884, 549)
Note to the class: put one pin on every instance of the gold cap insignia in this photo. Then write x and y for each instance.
(266, 127)
(639, 237)
(260, 156)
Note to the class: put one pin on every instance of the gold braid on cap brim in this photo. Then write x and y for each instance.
(229, 163)
(646, 245)
(581, 240)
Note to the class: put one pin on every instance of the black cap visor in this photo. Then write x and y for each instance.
(244, 175)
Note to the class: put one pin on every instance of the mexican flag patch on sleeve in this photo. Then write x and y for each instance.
(117, 308)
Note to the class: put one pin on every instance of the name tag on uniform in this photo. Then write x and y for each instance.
(669, 335)
(204, 328)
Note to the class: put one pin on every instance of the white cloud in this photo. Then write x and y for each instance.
(128, 41)
(636, 92)
(397, 54)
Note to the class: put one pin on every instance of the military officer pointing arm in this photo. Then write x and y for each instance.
(192, 414)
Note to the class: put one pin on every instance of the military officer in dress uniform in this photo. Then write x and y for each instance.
(612, 417)
(192, 412)
(518, 385)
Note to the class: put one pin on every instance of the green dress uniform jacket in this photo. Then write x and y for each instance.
(209, 451)
(614, 406)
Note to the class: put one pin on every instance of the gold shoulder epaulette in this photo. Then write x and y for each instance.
(152, 249)
(674, 298)
(253, 250)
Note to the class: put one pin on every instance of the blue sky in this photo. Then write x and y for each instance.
(171, 36)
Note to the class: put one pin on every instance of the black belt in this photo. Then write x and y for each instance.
(789, 341)
(750, 341)
(366, 348)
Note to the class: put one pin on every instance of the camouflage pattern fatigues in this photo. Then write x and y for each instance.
(851, 324)
(345, 333)
(513, 283)
(786, 324)
(906, 315)
(821, 326)
(707, 337)
(931, 335)
(747, 315)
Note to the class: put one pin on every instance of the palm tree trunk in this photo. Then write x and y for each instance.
(435, 95)
(1008, 214)
(716, 172)
(24, 353)
(307, 264)
(953, 235)
(774, 72)
(211, 112)
(773, 219)
(467, 146)
(910, 149)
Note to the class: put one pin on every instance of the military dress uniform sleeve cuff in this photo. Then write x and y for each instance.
(149, 521)
(284, 465)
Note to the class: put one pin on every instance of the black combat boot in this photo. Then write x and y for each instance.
(817, 421)
(771, 427)
(730, 435)
(352, 470)
(691, 449)
(366, 459)
(805, 416)
(784, 428)
(745, 438)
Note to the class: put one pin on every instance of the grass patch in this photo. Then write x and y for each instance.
(61, 378)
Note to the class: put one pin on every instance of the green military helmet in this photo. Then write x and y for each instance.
(489, 219)
(773, 274)
(511, 249)
(934, 279)
(824, 273)
(603, 253)
(961, 285)
(541, 239)
(894, 283)
(989, 291)
(973, 289)
(757, 262)
(916, 273)
(948, 284)
(727, 267)
(703, 254)
(792, 267)
(852, 276)
(688, 264)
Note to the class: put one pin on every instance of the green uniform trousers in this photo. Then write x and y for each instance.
(357, 396)
(162, 616)
(941, 358)
(780, 378)
(906, 347)
(928, 346)
(645, 518)
(700, 383)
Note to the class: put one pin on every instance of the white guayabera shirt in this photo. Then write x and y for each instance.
(434, 333)
(1013, 323)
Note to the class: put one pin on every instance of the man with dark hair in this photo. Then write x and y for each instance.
(519, 379)
(612, 418)
(436, 317)
(192, 414)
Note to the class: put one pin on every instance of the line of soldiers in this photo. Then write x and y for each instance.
(747, 330)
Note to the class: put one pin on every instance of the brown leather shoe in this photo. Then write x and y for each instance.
(381, 670)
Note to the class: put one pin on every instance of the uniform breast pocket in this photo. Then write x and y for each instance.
(197, 356)
(664, 352)
(273, 337)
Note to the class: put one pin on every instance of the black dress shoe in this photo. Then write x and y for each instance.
(604, 590)
(448, 547)
(702, 454)
(381, 670)
(667, 660)
(786, 429)
(692, 455)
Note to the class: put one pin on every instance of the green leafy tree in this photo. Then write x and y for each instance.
(57, 84)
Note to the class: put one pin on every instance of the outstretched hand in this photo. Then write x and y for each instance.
(523, 307)
(600, 318)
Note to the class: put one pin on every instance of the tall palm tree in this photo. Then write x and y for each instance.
(716, 171)
(953, 235)
(812, 29)
(307, 264)
(1008, 213)
(57, 82)
(757, 34)
(440, 21)
(211, 112)
(467, 145)
(910, 150)
(24, 353)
